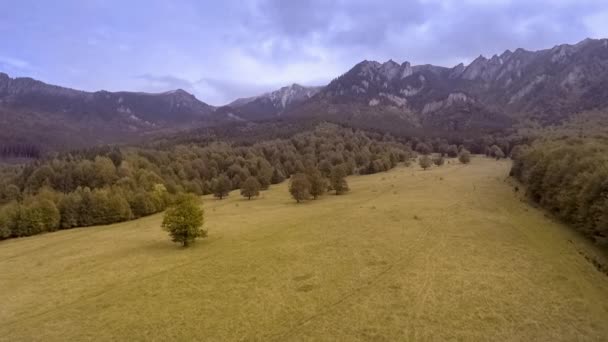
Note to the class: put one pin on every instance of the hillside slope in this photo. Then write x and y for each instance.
(44, 114)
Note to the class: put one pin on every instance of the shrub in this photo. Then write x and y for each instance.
(464, 156)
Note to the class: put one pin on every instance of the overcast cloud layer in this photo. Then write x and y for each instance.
(232, 49)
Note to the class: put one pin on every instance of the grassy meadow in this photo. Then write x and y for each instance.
(452, 253)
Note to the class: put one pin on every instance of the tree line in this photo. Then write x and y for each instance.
(569, 177)
(113, 184)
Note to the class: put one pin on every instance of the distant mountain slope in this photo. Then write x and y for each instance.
(272, 104)
(37, 112)
(546, 86)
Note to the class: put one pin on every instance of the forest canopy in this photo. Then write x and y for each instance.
(112, 184)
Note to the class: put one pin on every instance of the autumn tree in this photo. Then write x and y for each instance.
(184, 220)
(250, 188)
(299, 187)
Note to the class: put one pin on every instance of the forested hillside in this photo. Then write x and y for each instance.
(111, 184)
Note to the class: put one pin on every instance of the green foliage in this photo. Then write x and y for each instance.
(464, 156)
(569, 178)
(9, 219)
(250, 188)
(299, 187)
(35, 217)
(425, 162)
(423, 148)
(338, 180)
(184, 220)
(146, 203)
(452, 151)
(93, 186)
(318, 183)
(221, 186)
(439, 160)
(12, 193)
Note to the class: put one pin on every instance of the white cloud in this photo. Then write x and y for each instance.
(14, 62)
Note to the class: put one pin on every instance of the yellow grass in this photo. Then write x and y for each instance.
(446, 254)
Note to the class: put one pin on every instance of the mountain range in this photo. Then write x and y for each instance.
(545, 86)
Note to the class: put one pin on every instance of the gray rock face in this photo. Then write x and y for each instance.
(272, 104)
(546, 85)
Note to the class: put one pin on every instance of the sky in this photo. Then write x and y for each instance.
(223, 50)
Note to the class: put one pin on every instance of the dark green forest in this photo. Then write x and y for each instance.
(568, 177)
(112, 184)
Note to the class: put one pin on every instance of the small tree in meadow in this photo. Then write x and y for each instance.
(221, 186)
(439, 160)
(250, 188)
(425, 162)
(464, 156)
(184, 220)
(318, 183)
(299, 187)
(338, 180)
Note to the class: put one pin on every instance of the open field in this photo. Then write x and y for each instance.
(446, 254)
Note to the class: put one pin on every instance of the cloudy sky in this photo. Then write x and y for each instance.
(221, 50)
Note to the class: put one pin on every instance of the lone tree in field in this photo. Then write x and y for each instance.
(184, 221)
(221, 186)
(318, 183)
(439, 160)
(251, 188)
(464, 156)
(299, 187)
(338, 180)
(425, 162)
